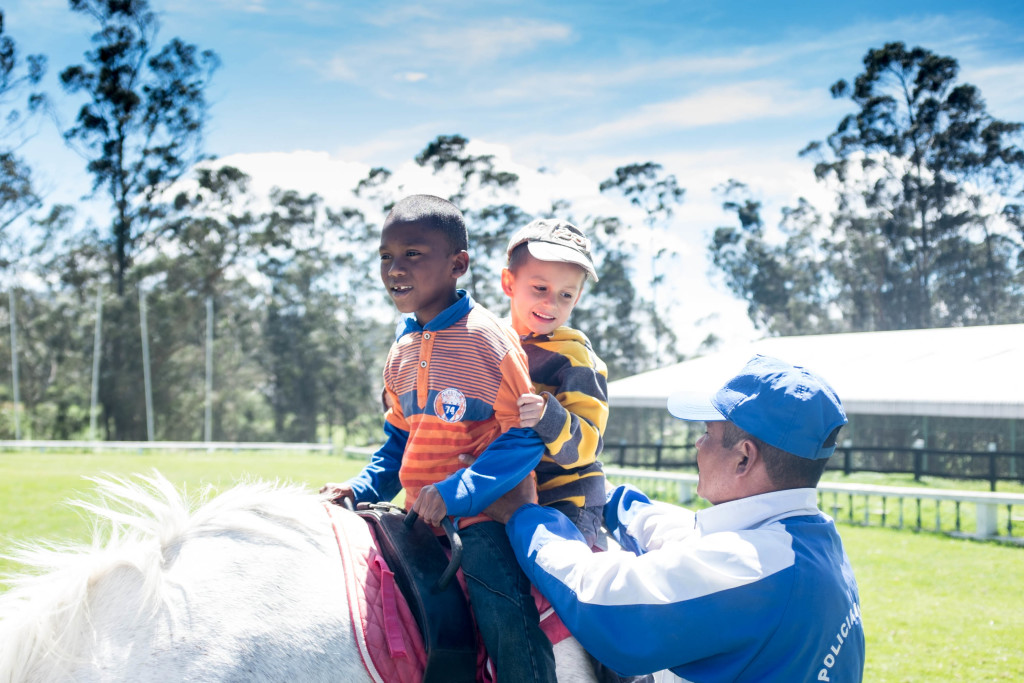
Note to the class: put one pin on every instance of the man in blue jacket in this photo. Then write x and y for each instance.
(755, 588)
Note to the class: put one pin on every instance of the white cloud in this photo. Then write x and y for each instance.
(302, 170)
(1002, 87)
(338, 69)
(399, 15)
(411, 76)
(728, 104)
(503, 37)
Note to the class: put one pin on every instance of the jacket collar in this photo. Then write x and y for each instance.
(445, 318)
(757, 511)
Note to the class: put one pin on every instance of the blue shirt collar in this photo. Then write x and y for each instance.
(445, 318)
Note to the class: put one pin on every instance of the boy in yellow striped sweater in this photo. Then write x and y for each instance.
(549, 261)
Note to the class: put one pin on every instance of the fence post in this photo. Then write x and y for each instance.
(992, 465)
(657, 454)
(622, 453)
(847, 456)
(918, 447)
(986, 519)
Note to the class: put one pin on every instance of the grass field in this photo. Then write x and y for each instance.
(935, 608)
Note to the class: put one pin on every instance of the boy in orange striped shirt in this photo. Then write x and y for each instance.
(453, 378)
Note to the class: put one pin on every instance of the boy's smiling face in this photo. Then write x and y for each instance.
(543, 294)
(418, 268)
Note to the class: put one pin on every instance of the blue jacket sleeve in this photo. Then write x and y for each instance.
(378, 481)
(622, 506)
(634, 613)
(501, 466)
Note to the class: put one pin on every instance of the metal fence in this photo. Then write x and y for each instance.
(990, 466)
(993, 516)
(25, 444)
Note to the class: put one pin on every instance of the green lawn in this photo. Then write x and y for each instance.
(935, 608)
(34, 487)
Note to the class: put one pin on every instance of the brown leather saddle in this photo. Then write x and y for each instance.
(424, 573)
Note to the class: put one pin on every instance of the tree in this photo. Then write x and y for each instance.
(784, 284)
(926, 179)
(17, 194)
(142, 125)
(611, 312)
(926, 230)
(657, 195)
(141, 130)
(484, 194)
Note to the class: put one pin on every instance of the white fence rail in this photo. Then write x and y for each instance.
(854, 503)
(875, 501)
(23, 444)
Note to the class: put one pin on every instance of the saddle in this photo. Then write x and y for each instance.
(420, 565)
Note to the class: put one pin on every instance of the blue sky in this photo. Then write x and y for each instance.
(313, 92)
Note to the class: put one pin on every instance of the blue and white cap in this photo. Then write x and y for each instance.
(786, 406)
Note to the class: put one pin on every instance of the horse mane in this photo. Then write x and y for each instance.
(139, 525)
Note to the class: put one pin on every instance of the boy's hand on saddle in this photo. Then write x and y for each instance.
(531, 408)
(524, 493)
(430, 505)
(337, 493)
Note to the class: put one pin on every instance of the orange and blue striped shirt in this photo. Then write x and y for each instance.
(453, 385)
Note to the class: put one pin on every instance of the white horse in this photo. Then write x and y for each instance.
(244, 586)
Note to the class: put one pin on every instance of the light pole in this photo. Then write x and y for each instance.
(96, 350)
(145, 361)
(14, 363)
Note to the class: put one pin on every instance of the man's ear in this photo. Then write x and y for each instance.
(460, 264)
(749, 455)
(507, 280)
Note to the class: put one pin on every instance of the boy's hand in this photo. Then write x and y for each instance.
(337, 493)
(531, 408)
(430, 505)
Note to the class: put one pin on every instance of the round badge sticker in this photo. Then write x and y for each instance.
(450, 405)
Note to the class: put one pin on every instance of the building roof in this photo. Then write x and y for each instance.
(950, 372)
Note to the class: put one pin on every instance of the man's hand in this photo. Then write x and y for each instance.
(337, 493)
(531, 408)
(525, 492)
(430, 505)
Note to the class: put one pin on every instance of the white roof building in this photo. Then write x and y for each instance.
(949, 372)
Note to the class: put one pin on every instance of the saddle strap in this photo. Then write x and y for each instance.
(417, 559)
(389, 603)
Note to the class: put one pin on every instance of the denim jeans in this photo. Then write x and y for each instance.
(505, 612)
(588, 519)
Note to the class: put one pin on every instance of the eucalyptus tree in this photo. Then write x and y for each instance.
(141, 127)
(17, 194)
(55, 323)
(657, 194)
(927, 227)
(785, 284)
(140, 130)
(928, 184)
(486, 196)
(611, 312)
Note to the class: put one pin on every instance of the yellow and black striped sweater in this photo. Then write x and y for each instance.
(563, 365)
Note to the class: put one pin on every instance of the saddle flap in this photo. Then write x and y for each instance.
(415, 556)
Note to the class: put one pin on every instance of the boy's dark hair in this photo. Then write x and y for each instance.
(787, 471)
(436, 213)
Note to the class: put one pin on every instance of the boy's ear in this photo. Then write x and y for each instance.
(507, 279)
(460, 263)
